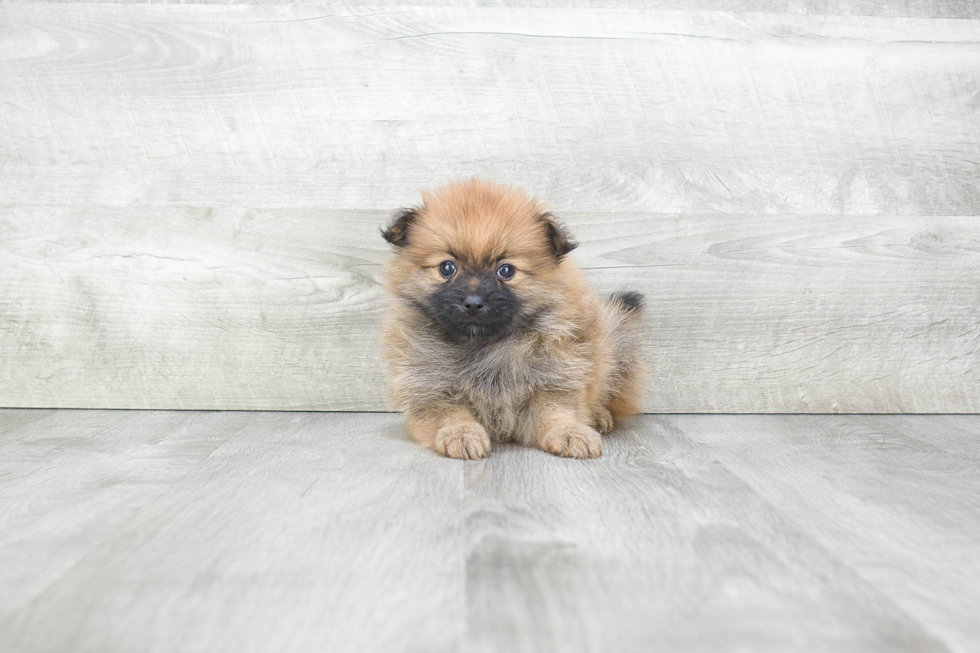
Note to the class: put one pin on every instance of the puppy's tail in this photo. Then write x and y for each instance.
(630, 302)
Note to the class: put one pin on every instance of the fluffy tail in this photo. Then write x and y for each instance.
(630, 302)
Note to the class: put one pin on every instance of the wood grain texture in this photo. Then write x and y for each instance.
(601, 109)
(898, 8)
(189, 193)
(280, 532)
(947, 432)
(656, 547)
(887, 497)
(262, 309)
(300, 533)
(12, 420)
(69, 480)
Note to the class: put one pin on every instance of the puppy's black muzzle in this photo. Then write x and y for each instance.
(474, 307)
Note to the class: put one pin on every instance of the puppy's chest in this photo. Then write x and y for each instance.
(507, 377)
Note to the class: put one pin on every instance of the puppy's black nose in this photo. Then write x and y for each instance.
(473, 304)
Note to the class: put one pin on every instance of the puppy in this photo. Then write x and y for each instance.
(493, 334)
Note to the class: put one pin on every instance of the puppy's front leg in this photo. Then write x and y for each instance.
(565, 432)
(451, 431)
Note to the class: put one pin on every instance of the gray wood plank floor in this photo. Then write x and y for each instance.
(234, 531)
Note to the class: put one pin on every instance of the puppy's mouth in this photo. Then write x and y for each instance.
(458, 324)
(484, 327)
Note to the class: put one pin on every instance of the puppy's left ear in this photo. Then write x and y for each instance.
(397, 231)
(559, 240)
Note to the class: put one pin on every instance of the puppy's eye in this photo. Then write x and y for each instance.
(447, 269)
(506, 271)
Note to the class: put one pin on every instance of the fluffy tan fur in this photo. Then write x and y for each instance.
(556, 383)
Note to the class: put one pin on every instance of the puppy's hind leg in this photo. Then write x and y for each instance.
(451, 431)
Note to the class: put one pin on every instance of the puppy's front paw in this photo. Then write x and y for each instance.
(572, 441)
(602, 421)
(463, 440)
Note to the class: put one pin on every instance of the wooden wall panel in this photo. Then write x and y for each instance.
(189, 194)
(276, 309)
(896, 8)
(595, 109)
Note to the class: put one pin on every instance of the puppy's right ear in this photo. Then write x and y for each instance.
(397, 231)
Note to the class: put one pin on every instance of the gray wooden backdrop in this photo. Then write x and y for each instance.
(190, 194)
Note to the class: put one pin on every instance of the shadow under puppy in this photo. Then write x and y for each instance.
(493, 334)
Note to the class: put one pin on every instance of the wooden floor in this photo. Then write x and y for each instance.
(202, 531)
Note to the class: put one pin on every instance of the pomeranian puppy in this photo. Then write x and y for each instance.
(493, 333)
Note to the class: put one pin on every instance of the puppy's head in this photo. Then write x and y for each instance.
(481, 261)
